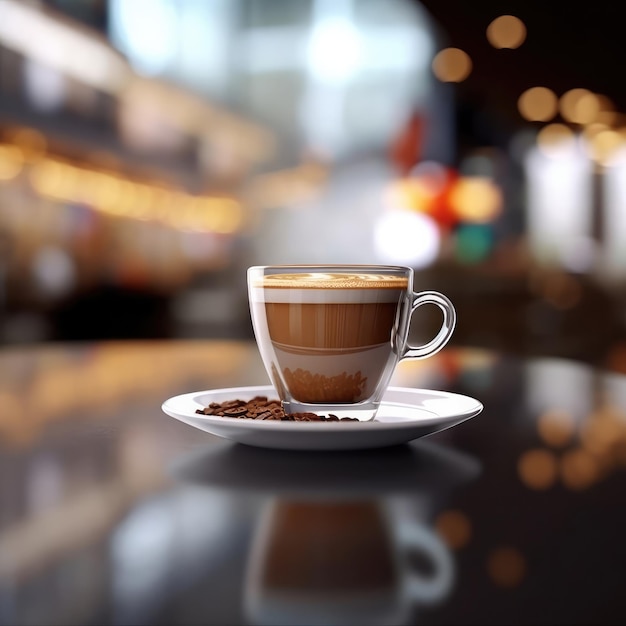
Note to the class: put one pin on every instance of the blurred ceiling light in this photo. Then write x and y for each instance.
(553, 138)
(538, 104)
(579, 106)
(11, 162)
(452, 65)
(506, 31)
(407, 237)
(476, 199)
(72, 50)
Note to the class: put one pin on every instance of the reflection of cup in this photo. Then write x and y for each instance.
(340, 563)
(331, 336)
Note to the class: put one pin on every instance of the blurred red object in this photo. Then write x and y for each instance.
(406, 149)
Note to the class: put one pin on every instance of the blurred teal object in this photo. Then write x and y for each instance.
(473, 242)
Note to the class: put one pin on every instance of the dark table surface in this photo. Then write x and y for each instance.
(112, 512)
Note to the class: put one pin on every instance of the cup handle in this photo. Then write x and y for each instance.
(436, 586)
(444, 334)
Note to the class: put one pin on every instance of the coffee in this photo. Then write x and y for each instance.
(330, 333)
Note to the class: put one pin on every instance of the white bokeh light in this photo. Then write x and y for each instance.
(334, 50)
(406, 237)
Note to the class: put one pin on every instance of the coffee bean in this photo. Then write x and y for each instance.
(236, 411)
(261, 408)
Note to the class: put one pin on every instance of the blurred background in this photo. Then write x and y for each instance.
(151, 150)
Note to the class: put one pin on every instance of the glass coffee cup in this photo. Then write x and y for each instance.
(330, 336)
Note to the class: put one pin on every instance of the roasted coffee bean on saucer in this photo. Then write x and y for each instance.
(260, 408)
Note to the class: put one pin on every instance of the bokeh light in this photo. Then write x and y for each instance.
(553, 138)
(476, 199)
(454, 528)
(604, 145)
(579, 106)
(11, 162)
(556, 428)
(506, 567)
(579, 469)
(452, 65)
(506, 31)
(473, 242)
(537, 469)
(431, 175)
(538, 104)
(407, 237)
(31, 142)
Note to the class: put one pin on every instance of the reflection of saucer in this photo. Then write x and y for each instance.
(405, 414)
(422, 467)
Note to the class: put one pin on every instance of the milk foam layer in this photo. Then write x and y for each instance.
(332, 281)
(328, 288)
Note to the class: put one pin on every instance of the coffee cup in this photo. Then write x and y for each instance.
(331, 336)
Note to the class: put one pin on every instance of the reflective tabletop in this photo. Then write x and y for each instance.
(112, 512)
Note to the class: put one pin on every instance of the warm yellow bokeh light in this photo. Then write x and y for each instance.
(454, 528)
(608, 118)
(11, 162)
(476, 199)
(537, 469)
(117, 196)
(591, 130)
(538, 104)
(452, 65)
(602, 431)
(579, 106)
(32, 143)
(604, 145)
(579, 469)
(553, 137)
(606, 111)
(506, 31)
(556, 428)
(506, 567)
(410, 194)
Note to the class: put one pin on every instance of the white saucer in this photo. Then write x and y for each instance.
(405, 414)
